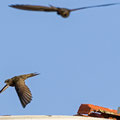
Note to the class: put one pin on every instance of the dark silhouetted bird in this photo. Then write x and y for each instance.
(22, 90)
(64, 12)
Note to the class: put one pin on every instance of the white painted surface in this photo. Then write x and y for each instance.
(53, 117)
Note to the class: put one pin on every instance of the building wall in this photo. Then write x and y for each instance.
(52, 117)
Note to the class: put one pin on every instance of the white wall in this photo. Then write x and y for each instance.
(40, 117)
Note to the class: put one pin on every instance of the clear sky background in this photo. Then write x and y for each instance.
(78, 58)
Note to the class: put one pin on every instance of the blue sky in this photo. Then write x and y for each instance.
(78, 58)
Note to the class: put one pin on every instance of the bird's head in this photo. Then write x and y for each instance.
(63, 12)
(10, 82)
(7, 81)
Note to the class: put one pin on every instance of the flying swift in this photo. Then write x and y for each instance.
(64, 12)
(22, 90)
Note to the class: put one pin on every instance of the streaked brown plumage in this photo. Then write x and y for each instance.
(64, 12)
(22, 90)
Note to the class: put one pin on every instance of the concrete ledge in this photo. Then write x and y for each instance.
(47, 117)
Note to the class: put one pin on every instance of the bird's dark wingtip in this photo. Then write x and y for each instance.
(15, 5)
(10, 5)
(24, 106)
(36, 73)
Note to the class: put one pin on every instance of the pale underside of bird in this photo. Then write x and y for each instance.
(22, 90)
(64, 12)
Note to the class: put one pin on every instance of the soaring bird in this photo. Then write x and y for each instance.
(22, 90)
(64, 12)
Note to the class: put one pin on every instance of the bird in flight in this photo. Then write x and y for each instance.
(22, 90)
(64, 12)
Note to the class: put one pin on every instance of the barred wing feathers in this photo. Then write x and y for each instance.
(23, 92)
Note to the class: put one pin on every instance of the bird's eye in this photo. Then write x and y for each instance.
(65, 14)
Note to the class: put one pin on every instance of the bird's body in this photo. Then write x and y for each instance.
(64, 12)
(22, 90)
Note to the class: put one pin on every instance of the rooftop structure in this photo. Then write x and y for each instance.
(85, 112)
(97, 111)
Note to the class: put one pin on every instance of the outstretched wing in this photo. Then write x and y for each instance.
(103, 5)
(23, 92)
(35, 8)
(25, 76)
(4, 88)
